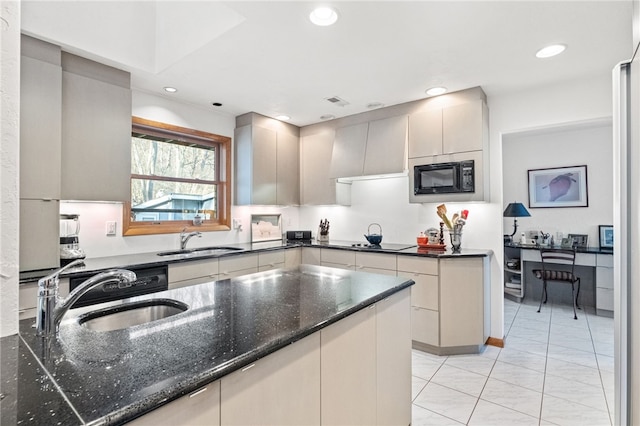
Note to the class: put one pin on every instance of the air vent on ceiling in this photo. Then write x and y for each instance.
(337, 101)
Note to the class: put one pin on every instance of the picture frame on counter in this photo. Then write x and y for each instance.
(266, 227)
(579, 240)
(606, 236)
(558, 187)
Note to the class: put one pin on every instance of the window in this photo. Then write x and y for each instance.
(179, 177)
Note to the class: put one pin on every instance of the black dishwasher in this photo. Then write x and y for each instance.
(149, 280)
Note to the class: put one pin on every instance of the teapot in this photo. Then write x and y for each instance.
(374, 239)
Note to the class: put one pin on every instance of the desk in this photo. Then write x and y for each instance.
(593, 265)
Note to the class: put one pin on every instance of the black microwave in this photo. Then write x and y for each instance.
(444, 178)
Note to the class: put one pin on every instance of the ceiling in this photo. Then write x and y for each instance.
(267, 57)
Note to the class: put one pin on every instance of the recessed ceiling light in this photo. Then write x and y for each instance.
(323, 16)
(327, 117)
(435, 91)
(375, 105)
(283, 117)
(170, 89)
(549, 51)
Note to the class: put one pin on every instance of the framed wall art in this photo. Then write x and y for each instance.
(558, 187)
(606, 236)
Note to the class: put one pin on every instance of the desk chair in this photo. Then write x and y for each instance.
(551, 257)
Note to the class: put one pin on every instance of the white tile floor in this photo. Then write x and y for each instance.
(553, 370)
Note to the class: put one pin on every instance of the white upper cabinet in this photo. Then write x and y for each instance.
(372, 148)
(267, 161)
(40, 120)
(386, 146)
(449, 130)
(425, 133)
(349, 147)
(96, 131)
(463, 127)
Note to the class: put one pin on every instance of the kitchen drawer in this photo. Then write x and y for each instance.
(604, 299)
(193, 281)
(271, 258)
(424, 293)
(270, 267)
(375, 260)
(339, 266)
(237, 263)
(425, 326)
(224, 275)
(604, 277)
(421, 265)
(377, 271)
(604, 260)
(195, 269)
(342, 257)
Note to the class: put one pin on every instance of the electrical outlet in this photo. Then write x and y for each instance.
(111, 227)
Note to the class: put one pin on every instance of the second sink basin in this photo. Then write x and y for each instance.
(203, 251)
(128, 315)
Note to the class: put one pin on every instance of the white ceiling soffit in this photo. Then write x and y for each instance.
(146, 35)
(267, 57)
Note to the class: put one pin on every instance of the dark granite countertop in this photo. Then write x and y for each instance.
(115, 376)
(592, 250)
(152, 259)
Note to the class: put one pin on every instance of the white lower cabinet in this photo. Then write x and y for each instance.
(462, 299)
(270, 260)
(376, 263)
(192, 273)
(342, 259)
(292, 257)
(280, 389)
(200, 408)
(393, 361)
(235, 266)
(348, 370)
(425, 297)
(310, 256)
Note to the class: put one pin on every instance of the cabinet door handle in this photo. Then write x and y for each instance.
(198, 392)
(248, 367)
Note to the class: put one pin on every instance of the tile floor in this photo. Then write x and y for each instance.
(554, 370)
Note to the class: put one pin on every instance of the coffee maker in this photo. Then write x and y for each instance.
(69, 247)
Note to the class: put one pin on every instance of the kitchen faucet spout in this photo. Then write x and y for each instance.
(184, 237)
(51, 307)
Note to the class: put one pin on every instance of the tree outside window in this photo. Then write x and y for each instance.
(179, 178)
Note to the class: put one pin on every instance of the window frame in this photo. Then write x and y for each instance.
(185, 136)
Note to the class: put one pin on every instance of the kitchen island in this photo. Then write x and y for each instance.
(111, 377)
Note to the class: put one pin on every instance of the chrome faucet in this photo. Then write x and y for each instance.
(184, 237)
(51, 307)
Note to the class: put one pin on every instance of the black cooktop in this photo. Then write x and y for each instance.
(383, 246)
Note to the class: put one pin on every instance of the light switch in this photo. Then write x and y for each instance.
(111, 227)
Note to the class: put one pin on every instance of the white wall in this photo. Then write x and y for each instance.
(9, 160)
(587, 144)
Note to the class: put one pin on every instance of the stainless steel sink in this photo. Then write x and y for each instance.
(128, 315)
(204, 251)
